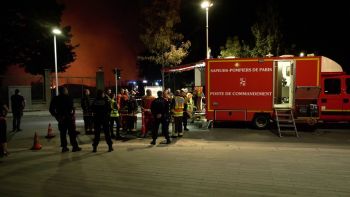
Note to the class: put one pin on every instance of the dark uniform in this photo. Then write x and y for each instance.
(61, 107)
(17, 106)
(101, 109)
(87, 113)
(185, 115)
(132, 110)
(161, 113)
(3, 129)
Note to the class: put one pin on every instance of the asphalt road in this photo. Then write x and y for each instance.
(235, 161)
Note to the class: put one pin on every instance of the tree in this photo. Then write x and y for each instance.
(235, 48)
(262, 41)
(267, 37)
(26, 39)
(164, 46)
(266, 32)
(232, 48)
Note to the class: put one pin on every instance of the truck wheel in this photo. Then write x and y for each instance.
(210, 125)
(261, 121)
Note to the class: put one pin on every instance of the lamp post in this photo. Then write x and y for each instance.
(117, 77)
(55, 32)
(116, 86)
(206, 5)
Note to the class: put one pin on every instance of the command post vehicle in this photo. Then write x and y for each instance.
(315, 89)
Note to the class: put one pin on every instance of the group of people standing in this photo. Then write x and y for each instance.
(96, 115)
(123, 109)
(106, 110)
(62, 108)
(99, 113)
(123, 112)
(163, 110)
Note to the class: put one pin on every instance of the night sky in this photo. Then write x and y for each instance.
(107, 30)
(313, 26)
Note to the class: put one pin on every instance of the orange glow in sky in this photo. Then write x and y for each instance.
(107, 34)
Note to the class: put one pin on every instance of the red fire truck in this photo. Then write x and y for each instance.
(314, 88)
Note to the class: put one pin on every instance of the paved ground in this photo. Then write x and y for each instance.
(219, 162)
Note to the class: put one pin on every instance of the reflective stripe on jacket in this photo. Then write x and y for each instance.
(190, 105)
(179, 106)
(114, 111)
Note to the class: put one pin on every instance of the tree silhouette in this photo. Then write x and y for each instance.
(267, 36)
(26, 38)
(164, 46)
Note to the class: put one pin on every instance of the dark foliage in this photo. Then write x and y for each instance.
(26, 37)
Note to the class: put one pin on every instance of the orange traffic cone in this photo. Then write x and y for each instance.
(36, 145)
(49, 132)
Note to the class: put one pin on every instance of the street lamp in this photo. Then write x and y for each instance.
(206, 5)
(116, 72)
(55, 32)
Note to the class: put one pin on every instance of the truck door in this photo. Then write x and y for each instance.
(346, 98)
(283, 93)
(331, 99)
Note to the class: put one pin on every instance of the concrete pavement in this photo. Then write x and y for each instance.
(217, 162)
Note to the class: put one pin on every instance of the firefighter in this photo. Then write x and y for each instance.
(87, 113)
(119, 98)
(188, 109)
(185, 116)
(198, 96)
(177, 109)
(101, 109)
(109, 94)
(114, 118)
(161, 114)
(146, 112)
(132, 111)
(123, 110)
(167, 95)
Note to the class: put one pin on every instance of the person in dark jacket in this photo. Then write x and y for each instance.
(3, 129)
(161, 112)
(132, 111)
(61, 107)
(17, 107)
(87, 112)
(101, 109)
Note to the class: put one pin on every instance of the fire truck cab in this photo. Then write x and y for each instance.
(314, 88)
